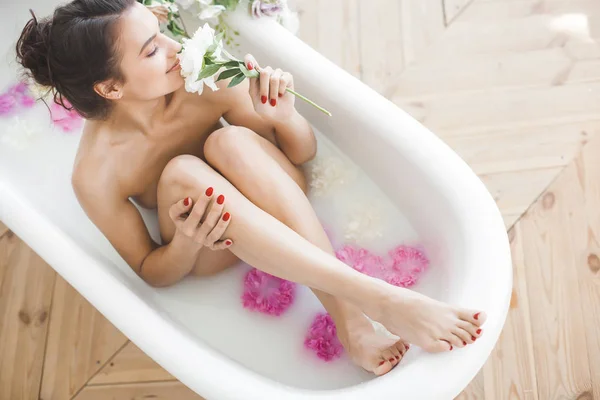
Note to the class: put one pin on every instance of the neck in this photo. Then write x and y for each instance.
(140, 115)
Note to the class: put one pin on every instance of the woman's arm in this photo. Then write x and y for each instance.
(264, 106)
(120, 221)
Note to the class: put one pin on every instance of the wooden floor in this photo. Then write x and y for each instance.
(514, 87)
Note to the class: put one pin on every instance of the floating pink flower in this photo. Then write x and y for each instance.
(322, 338)
(67, 120)
(266, 293)
(7, 104)
(360, 259)
(408, 259)
(403, 268)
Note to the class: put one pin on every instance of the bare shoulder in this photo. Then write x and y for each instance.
(94, 171)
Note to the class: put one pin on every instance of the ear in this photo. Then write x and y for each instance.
(110, 90)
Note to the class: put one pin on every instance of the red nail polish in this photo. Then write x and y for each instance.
(264, 99)
(450, 347)
(220, 199)
(280, 95)
(209, 191)
(226, 217)
(473, 338)
(228, 242)
(391, 360)
(250, 66)
(397, 357)
(478, 331)
(273, 102)
(381, 363)
(476, 316)
(186, 201)
(407, 346)
(464, 343)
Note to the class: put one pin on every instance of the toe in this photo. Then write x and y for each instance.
(400, 345)
(473, 331)
(438, 346)
(383, 368)
(396, 353)
(476, 318)
(454, 340)
(464, 336)
(388, 354)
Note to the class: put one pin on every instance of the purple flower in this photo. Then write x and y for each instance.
(262, 8)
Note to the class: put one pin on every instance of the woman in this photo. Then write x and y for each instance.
(222, 193)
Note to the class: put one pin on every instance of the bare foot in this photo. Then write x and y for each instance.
(432, 325)
(369, 349)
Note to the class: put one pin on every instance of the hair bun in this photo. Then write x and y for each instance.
(33, 49)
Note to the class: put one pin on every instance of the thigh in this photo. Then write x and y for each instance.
(173, 187)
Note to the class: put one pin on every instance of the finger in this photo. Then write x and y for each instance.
(222, 244)
(274, 86)
(212, 217)
(265, 75)
(218, 231)
(251, 62)
(177, 210)
(191, 223)
(287, 81)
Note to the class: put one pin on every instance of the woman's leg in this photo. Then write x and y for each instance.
(255, 166)
(262, 241)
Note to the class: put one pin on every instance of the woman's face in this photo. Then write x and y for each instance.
(149, 58)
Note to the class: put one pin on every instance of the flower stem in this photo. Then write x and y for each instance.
(308, 101)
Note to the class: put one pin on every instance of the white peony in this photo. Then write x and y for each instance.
(185, 3)
(192, 59)
(210, 13)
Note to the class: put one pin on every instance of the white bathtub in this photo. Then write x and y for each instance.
(444, 200)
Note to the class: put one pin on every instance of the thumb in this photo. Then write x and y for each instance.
(181, 207)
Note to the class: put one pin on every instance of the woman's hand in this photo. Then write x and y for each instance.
(268, 94)
(203, 223)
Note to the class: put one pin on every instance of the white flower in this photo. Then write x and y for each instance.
(289, 20)
(172, 8)
(328, 173)
(210, 14)
(192, 59)
(19, 133)
(185, 3)
(364, 223)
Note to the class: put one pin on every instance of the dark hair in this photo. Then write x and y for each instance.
(73, 50)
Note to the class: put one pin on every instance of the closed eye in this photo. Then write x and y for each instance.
(153, 51)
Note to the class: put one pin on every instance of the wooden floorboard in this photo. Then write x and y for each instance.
(80, 342)
(26, 284)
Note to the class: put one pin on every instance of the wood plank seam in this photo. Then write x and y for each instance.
(109, 360)
(47, 334)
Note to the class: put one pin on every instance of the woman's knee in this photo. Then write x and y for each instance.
(235, 149)
(184, 171)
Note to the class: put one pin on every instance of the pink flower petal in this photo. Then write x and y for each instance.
(7, 104)
(267, 294)
(322, 339)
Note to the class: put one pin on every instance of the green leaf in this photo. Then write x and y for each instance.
(248, 73)
(236, 80)
(228, 74)
(230, 64)
(210, 70)
(208, 61)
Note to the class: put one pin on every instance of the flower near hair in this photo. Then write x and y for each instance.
(19, 133)
(203, 57)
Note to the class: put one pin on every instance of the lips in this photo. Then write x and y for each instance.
(174, 66)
